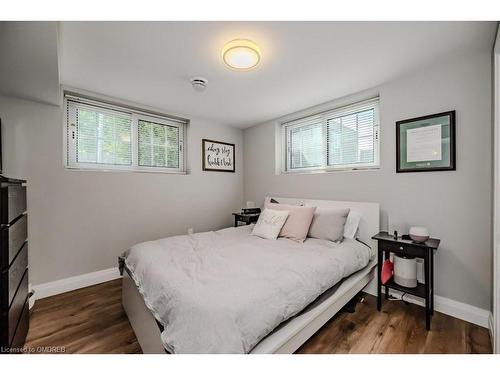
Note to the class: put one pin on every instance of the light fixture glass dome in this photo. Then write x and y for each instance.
(241, 54)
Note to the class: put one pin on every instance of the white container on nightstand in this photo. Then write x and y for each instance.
(405, 271)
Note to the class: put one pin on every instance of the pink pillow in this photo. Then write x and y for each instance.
(298, 222)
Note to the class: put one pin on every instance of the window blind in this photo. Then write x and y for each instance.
(351, 138)
(102, 136)
(105, 136)
(341, 138)
(306, 143)
(158, 145)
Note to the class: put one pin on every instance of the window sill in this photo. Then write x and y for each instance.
(322, 171)
(118, 170)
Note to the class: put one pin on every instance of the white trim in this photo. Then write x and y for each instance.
(462, 311)
(76, 282)
(459, 310)
(491, 327)
(496, 197)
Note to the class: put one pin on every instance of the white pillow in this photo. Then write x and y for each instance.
(328, 223)
(270, 223)
(351, 224)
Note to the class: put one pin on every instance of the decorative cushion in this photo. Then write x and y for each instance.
(298, 222)
(351, 224)
(270, 223)
(328, 223)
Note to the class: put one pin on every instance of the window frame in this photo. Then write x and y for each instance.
(136, 114)
(287, 126)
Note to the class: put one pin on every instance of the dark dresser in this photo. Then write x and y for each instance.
(14, 291)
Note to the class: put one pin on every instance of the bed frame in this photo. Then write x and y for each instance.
(289, 336)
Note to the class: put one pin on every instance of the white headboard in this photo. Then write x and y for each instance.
(370, 214)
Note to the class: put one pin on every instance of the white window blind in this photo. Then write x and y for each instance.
(343, 138)
(105, 136)
(158, 145)
(102, 136)
(306, 144)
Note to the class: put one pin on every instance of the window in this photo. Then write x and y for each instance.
(158, 145)
(343, 138)
(104, 136)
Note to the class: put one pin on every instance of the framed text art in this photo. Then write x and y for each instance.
(218, 156)
(427, 143)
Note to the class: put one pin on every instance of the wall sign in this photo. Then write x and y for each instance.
(426, 143)
(217, 156)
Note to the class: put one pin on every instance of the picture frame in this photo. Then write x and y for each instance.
(426, 143)
(218, 156)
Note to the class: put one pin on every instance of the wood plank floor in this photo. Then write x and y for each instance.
(92, 320)
(87, 320)
(398, 328)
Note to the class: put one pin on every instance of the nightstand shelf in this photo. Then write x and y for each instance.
(418, 291)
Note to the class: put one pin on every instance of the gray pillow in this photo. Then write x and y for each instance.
(328, 223)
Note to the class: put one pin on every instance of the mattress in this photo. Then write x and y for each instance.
(223, 291)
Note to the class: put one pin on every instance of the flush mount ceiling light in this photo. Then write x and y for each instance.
(241, 54)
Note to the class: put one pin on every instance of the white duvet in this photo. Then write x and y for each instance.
(222, 292)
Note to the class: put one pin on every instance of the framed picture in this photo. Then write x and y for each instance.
(427, 143)
(217, 156)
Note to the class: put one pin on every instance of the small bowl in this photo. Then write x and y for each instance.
(419, 234)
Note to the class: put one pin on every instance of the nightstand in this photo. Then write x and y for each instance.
(245, 218)
(406, 246)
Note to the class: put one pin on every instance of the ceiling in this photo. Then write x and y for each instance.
(303, 63)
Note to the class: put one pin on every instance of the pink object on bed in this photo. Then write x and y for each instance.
(298, 222)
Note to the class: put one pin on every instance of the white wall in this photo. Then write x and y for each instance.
(456, 206)
(80, 221)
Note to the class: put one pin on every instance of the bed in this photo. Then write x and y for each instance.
(230, 292)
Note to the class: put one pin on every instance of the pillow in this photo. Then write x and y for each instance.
(328, 224)
(298, 222)
(272, 200)
(351, 224)
(270, 223)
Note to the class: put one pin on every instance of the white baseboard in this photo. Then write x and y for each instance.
(76, 282)
(444, 305)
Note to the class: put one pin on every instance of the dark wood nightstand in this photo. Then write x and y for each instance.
(245, 218)
(405, 246)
